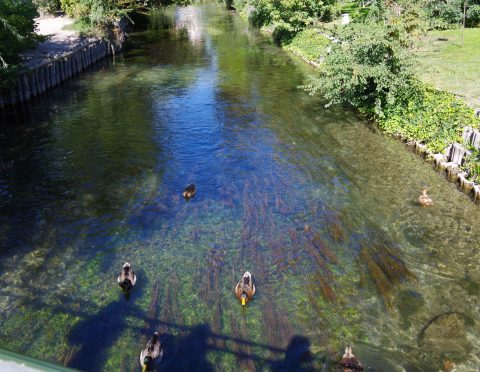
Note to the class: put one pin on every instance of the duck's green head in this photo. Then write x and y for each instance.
(146, 363)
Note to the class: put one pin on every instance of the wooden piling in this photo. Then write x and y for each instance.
(41, 78)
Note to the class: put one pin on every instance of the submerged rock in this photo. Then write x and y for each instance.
(409, 302)
(445, 336)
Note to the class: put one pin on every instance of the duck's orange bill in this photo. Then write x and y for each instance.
(243, 301)
(144, 369)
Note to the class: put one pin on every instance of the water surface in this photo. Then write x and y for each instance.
(317, 205)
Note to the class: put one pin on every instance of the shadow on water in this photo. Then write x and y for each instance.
(297, 356)
(185, 347)
(188, 351)
(96, 334)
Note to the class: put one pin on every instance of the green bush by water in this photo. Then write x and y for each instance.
(287, 17)
(433, 117)
(310, 44)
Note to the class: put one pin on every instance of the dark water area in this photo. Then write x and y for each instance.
(318, 206)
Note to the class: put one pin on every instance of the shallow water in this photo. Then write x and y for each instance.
(98, 169)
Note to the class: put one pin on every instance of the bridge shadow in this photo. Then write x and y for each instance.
(186, 348)
(298, 356)
(96, 334)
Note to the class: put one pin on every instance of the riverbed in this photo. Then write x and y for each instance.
(315, 203)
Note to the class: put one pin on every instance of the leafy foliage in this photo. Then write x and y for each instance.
(472, 166)
(47, 6)
(369, 69)
(95, 12)
(444, 14)
(287, 17)
(16, 35)
(433, 117)
(309, 44)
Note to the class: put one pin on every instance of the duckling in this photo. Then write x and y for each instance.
(152, 355)
(424, 200)
(245, 288)
(349, 362)
(127, 277)
(189, 192)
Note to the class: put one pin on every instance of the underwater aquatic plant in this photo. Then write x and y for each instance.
(381, 281)
(336, 231)
(385, 267)
(323, 248)
(325, 287)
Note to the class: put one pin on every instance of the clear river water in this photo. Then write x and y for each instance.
(315, 203)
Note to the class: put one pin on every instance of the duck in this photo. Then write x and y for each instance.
(127, 277)
(349, 362)
(189, 192)
(152, 355)
(245, 288)
(448, 366)
(424, 200)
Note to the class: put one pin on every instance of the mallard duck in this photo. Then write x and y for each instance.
(424, 200)
(189, 192)
(245, 288)
(349, 362)
(152, 355)
(127, 277)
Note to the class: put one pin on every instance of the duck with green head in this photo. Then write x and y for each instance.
(152, 355)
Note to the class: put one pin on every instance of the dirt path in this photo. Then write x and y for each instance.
(60, 41)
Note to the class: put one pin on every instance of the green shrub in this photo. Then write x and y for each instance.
(369, 69)
(309, 44)
(472, 166)
(444, 14)
(48, 6)
(287, 17)
(16, 35)
(473, 15)
(98, 13)
(433, 117)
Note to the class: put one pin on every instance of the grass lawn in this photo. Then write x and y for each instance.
(449, 66)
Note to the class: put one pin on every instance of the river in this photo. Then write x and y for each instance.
(317, 205)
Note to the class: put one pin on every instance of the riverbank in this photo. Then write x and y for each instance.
(61, 56)
(60, 41)
(437, 124)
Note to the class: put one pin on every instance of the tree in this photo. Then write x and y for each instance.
(370, 68)
(16, 35)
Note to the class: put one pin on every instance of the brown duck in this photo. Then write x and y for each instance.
(424, 200)
(189, 192)
(349, 362)
(245, 288)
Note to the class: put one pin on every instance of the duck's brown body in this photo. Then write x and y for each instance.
(424, 200)
(349, 362)
(245, 289)
(189, 192)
